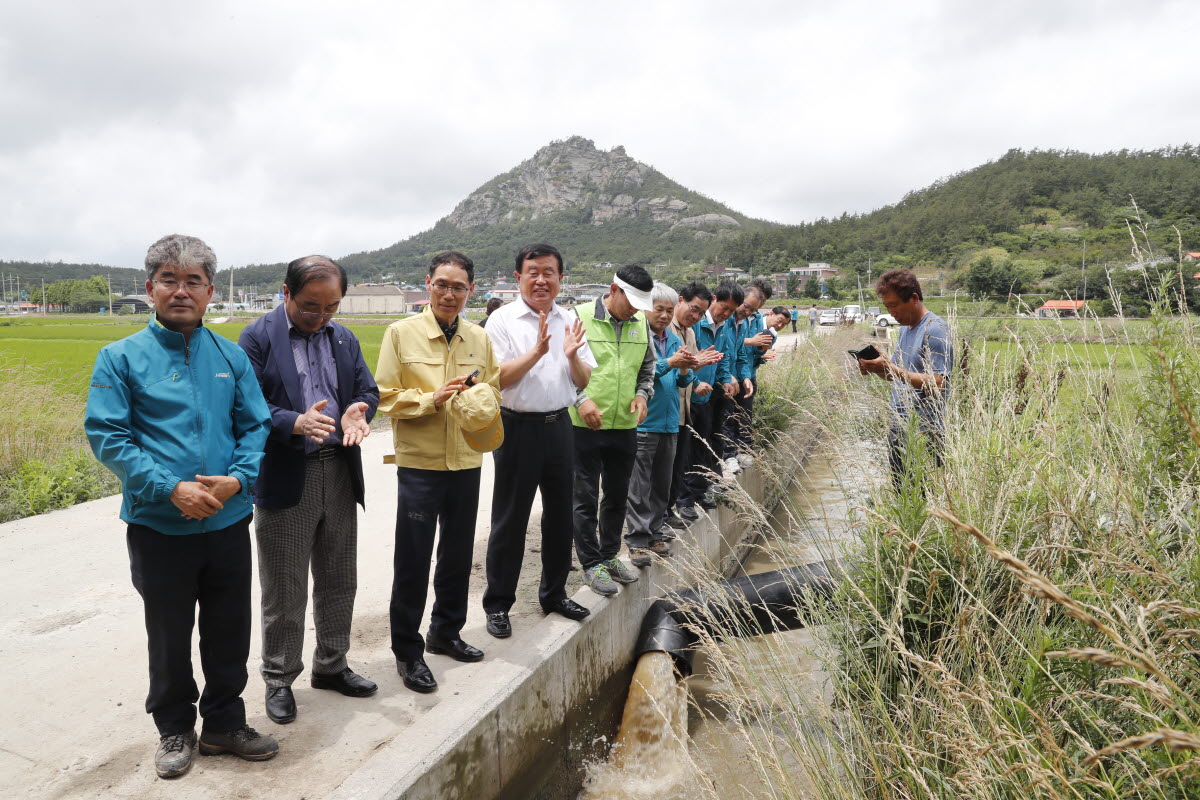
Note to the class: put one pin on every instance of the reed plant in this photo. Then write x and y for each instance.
(1019, 623)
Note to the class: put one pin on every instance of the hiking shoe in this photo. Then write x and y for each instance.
(174, 755)
(730, 468)
(244, 742)
(707, 502)
(660, 548)
(688, 514)
(619, 572)
(673, 522)
(746, 460)
(640, 556)
(599, 581)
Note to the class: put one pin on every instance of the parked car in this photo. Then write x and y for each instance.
(852, 314)
(830, 316)
(885, 321)
(873, 312)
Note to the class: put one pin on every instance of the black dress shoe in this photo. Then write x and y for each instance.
(416, 675)
(455, 648)
(498, 625)
(568, 608)
(281, 704)
(348, 682)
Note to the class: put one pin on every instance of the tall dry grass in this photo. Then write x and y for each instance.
(1022, 623)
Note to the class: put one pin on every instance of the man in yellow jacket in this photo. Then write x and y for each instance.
(431, 367)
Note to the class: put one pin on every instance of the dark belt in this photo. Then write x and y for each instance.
(325, 453)
(534, 416)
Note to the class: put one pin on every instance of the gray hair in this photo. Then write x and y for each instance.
(662, 292)
(180, 251)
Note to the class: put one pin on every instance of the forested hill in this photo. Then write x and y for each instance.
(1050, 205)
(594, 205)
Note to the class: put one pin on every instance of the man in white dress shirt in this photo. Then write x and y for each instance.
(544, 361)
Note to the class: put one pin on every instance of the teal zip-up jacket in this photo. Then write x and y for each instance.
(707, 336)
(729, 342)
(662, 414)
(161, 411)
(751, 358)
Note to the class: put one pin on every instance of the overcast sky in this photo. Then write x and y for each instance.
(276, 129)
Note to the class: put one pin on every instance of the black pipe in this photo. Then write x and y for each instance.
(764, 603)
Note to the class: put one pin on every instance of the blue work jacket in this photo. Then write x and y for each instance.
(751, 358)
(162, 410)
(713, 374)
(663, 412)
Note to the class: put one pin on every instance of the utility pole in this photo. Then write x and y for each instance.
(1083, 269)
(43, 297)
(229, 303)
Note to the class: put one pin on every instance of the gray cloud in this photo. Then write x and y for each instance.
(291, 128)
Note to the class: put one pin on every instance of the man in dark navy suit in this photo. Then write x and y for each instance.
(322, 398)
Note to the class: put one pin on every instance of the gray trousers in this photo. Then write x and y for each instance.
(321, 530)
(649, 488)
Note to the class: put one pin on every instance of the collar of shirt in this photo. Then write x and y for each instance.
(434, 329)
(708, 320)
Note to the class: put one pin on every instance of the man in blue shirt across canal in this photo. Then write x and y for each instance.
(919, 370)
(176, 412)
(322, 398)
(650, 484)
(711, 332)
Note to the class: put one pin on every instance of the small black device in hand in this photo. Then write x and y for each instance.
(470, 381)
(867, 353)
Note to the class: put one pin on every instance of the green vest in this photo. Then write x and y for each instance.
(614, 380)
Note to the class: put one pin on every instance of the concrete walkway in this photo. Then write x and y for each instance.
(73, 662)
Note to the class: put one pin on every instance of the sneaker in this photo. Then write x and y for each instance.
(708, 503)
(640, 557)
(674, 522)
(746, 460)
(688, 513)
(660, 548)
(599, 581)
(245, 742)
(619, 572)
(174, 755)
(731, 467)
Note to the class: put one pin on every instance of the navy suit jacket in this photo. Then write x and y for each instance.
(281, 477)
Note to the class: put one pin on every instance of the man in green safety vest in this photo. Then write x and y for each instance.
(606, 417)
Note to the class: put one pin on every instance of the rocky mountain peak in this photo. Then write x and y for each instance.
(574, 175)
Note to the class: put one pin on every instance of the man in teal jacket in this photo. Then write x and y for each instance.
(716, 380)
(176, 412)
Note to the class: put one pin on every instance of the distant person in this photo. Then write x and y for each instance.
(694, 300)
(435, 369)
(606, 415)
(322, 398)
(176, 412)
(704, 445)
(919, 370)
(813, 314)
(795, 316)
(650, 483)
(492, 304)
(544, 361)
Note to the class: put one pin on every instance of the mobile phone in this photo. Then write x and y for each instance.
(867, 353)
(470, 381)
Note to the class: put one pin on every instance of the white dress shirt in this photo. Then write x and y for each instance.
(513, 329)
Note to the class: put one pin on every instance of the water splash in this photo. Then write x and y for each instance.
(649, 758)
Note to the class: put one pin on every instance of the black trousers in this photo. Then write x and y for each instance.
(174, 575)
(793, 326)
(735, 428)
(425, 498)
(536, 454)
(679, 467)
(603, 457)
(696, 479)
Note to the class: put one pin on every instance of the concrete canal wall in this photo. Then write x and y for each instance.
(524, 727)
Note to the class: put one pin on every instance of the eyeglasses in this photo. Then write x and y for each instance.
(316, 314)
(447, 288)
(172, 285)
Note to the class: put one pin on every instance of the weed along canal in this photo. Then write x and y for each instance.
(694, 723)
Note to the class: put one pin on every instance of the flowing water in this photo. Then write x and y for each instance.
(670, 749)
